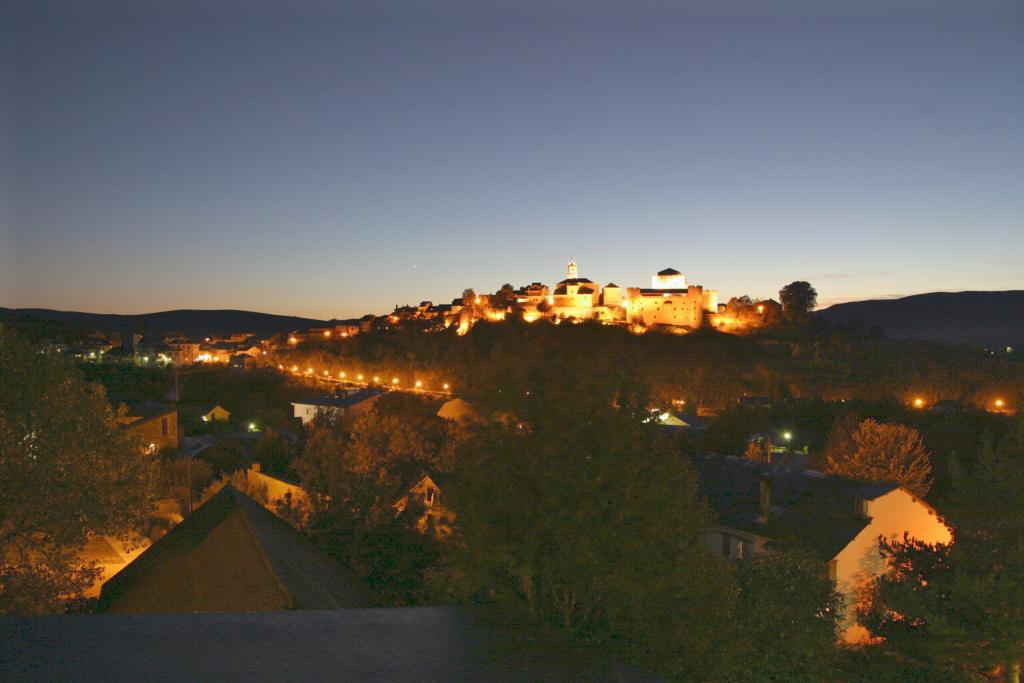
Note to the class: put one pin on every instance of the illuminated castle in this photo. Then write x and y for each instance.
(669, 302)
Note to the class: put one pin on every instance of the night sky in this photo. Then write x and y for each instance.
(330, 159)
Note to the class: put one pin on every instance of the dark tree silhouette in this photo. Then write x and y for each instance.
(798, 300)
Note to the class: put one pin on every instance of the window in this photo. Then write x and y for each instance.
(430, 496)
(165, 427)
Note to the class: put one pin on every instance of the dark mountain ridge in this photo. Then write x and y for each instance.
(187, 321)
(991, 319)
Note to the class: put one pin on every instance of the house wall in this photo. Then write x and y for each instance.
(159, 431)
(278, 489)
(859, 562)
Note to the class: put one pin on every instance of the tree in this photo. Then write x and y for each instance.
(785, 600)
(574, 508)
(798, 300)
(67, 471)
(885, 452)
(962, 604)
(355, 472)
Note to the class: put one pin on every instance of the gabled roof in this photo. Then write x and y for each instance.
(611, 285)
(149, 410)
(576, 281)
(331, 401)
(668, 271)
(232, 555)
(811, 510)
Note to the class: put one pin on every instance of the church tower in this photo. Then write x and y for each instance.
(572, 270)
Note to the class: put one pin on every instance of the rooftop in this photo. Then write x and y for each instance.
(232, 554)
(811, 510)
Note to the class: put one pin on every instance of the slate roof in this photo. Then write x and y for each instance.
(232, 555)
(331, 401)
(148, 410)
(423, 644)
(810, 510)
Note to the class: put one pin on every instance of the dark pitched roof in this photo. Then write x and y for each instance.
(333, 401)
(382, 644)
(232, 555)
(610, 285)
(576, 281)
(811, 510)
(668, 271)
(148, 410)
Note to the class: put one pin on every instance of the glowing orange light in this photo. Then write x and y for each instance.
(1000, 403)
(293, 340)
(327, 333)
(360, 378)
(918, 402)
(376, 378)
(295, 368)
(341, 374)
(280, 367)
(419, 384)
(325, 372)
(394, 380)
(446, 386)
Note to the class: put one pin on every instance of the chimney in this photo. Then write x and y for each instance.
(766, 498)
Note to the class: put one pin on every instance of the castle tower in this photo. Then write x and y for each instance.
(572, 270)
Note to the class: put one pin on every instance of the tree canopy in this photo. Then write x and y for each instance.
(883, 452)
(67, 471)
(798, 299)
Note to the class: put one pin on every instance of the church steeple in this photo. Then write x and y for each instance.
(572, 270)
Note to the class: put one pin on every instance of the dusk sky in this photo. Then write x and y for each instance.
(332, 159)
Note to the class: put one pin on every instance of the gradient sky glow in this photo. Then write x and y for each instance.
(330, 159)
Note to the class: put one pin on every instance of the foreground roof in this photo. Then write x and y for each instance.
(232, 554)
(810, 510)
(382, 644)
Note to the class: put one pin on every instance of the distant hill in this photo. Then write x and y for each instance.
(194, 323)
(992, 319)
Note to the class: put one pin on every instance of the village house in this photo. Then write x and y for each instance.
(347, 402)
(232, 555)
(761, 507)
(426, 494)
(155, 423)
(214, 413)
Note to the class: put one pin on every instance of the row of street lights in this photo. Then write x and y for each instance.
(360, 379)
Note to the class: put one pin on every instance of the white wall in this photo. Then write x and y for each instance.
(859, 562)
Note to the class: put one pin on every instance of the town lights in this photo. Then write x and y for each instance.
(327, 333)
(394, 380)
(419, 384)
(295, 368)
(360, 378)
(376, 379)
(293, 340)
(326, 373)
(918, 402)
(252, 426)
(341, 375)
(446, 386)
(309, 371)
(280, 367)
(999, 403)
(787, 436)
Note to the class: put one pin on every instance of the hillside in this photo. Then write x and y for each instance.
(195, 323)
(993, 319)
